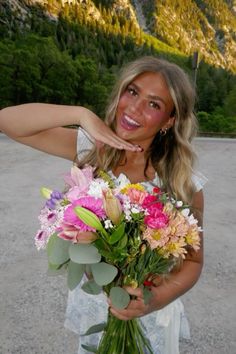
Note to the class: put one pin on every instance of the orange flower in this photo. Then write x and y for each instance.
(112, 207)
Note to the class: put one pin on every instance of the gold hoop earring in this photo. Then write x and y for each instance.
(163, 132)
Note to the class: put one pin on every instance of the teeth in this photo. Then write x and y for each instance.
(131, 121)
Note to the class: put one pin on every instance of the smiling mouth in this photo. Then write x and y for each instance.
(129, 123)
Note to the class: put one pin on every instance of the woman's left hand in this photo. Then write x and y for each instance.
(136, 307)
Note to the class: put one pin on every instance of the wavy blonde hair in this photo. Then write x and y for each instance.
(172, 155)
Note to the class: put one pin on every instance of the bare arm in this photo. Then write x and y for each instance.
(176, 285)
(41, 127)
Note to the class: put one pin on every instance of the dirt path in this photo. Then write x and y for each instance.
(32, 304)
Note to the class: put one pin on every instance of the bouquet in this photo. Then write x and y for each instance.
(117, 235)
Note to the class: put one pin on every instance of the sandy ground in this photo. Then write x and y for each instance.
(32, 304)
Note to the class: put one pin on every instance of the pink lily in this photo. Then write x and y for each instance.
(70, 233)
(79, 181)
(79, 177)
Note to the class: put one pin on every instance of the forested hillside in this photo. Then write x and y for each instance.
(70, 51)
(208, 27)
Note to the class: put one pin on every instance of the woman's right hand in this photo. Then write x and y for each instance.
(102, 134)
(42, 126)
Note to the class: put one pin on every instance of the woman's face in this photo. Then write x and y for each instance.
(144, 108)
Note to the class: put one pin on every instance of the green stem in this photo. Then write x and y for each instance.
(123, 337)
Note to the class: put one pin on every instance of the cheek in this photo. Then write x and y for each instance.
(156, 117)
(123, 101)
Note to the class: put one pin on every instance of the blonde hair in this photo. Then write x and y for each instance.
(172, 155)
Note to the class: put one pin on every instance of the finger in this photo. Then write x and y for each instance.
(118, 315)
(115, 141)
(136, 292)
(123, 315)
(122, 145)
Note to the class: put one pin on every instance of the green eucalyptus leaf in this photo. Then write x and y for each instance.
(54, 266)
(89, 348)
(55, 269)
(84, 253)
(90, 287)
(57, 250)
(117, 234)
(95, 329)
(103, 273)
(119, 297)
(75, 274)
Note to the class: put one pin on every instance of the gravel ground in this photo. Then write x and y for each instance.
(32, 304)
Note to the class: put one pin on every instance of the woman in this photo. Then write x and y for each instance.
(146, 137)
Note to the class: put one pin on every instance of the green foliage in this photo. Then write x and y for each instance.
(229, 106)
(216, 123)
(75, 59)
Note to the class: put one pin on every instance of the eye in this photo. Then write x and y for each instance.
(154, 105)
(132, 91)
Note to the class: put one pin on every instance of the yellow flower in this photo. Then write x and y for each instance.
(192, 238)
(136, 186)
(176, 249)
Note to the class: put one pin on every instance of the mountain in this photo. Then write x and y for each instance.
(187, 26)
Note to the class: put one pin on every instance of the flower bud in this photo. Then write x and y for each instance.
(112, 207)
(143, 248)
(89, 218)
(46, 192)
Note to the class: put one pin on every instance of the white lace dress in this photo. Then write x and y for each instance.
(163, 328)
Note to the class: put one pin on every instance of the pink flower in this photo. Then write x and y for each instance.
(79, 177)
(70, 233)
(151, 201)
(178, 225)
(136, 196)
(156, 220)
(41, 239)
(93, 204)
(75, 193)
(156, 238)
(79, 181)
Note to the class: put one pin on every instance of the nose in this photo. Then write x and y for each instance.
(138, 105)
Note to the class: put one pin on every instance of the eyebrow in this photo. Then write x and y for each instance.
(153, 97)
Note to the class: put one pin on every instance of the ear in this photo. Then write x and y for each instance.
(169, 123)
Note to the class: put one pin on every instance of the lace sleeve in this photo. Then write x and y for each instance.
(84, 143)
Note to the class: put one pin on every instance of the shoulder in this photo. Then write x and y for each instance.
(199, 181)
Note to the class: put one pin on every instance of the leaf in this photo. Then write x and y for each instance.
(57, 250)
(117, 234)
(75, 274)
(95, 329)
(119, 297)
(103, 273)
(147, 294)
(55, 269)
(90, 287)
(89, 348)
(84, 253)
(123, 242)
